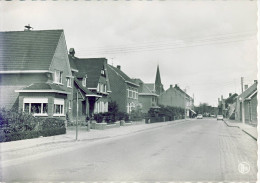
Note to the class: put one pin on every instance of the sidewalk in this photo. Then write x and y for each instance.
(83, 135)
(250, 130)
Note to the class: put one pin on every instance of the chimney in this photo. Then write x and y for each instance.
(170, 86)
(72, 52)
(221, 97)
(246, 86)
(255, 81)
(119, 67)
(230, 94)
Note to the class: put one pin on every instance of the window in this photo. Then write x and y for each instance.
(98, 87)
(84, 82)
(101, 87)
(105, 88)
(58, 109)
(58, 77)
(36, 106)
(68, 82)
(102, 72)
(69, 105)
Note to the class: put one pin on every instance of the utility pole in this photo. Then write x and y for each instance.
(242, 83)
(242, 101)
(77, 115)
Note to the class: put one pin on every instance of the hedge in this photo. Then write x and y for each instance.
(17, 126)
(167, 111)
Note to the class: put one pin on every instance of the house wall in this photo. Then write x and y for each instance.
(238, 110)
(254, 108)
(251, 109)
(134, 101)
(146, 101)
(119, 90)
(11, 82)
(171, 97)
(50, 97)
(61, 62)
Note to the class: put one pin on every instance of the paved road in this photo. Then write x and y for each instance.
(198, 150)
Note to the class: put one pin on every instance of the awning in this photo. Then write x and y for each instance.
(193, 111)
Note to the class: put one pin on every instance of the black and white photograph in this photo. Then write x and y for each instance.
(132, 91)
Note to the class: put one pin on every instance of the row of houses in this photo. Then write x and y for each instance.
(242, 107)
(40, 76)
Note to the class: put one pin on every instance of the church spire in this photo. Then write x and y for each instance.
(158, 83)
(158, 77)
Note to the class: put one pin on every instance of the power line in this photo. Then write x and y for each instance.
(165, 46)
(156, 43)
(122, 51)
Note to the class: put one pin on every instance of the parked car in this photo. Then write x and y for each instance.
(220, 117)
(212, 115)
(199, 116)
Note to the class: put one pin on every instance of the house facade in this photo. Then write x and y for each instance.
(124, 91)
(35, 75)
(175, 97)
(147, 95)
(246, 105)
(91, 85)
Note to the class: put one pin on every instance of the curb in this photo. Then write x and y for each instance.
(242, 130)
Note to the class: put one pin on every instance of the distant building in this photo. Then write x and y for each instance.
(147, 95)
(91, 84)
(35, 74)
(176, 97)
(124, 90)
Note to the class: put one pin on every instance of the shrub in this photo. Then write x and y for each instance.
(167, 111)
(98, 117)
(17, 125)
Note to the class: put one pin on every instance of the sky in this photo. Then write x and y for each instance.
(203, 46)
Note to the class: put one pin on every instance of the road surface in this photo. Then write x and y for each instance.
(197, 150)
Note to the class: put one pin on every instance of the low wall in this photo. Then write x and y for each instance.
(104, 126)
(98, 126)
(115, 125)
(123, 123)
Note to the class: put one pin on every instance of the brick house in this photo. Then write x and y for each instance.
(147, 95)
(92, 84)
(247, 100)
(35, 72)
(124, 91)
(176, 97)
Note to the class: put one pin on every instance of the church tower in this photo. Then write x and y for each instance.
(158, 84)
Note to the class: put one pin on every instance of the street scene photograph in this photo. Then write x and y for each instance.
(129, 91)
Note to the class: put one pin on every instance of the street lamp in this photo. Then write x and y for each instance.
(243, 110)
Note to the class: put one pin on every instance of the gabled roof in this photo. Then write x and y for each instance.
(89, 66)
(84, 89)
(249, 91)
(28, 50)
(151, 86)
(121, 74)
(43, 87)
(148, 90)
(183, 92)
